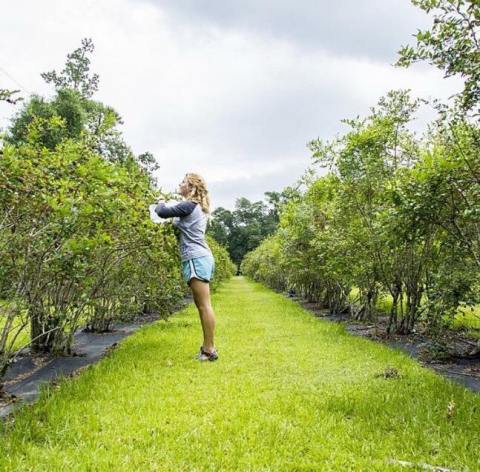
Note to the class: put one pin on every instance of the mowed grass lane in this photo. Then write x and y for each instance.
(289, 393)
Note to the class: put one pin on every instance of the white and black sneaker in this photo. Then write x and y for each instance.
(207, 356)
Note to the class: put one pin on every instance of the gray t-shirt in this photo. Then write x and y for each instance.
(190, 219)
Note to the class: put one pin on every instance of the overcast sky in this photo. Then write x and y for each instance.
(231, 89)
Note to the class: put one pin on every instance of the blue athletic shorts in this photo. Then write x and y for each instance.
(200, 267)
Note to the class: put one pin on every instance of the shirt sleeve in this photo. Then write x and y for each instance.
(180, 209)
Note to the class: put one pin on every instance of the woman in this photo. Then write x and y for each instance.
(198, 265)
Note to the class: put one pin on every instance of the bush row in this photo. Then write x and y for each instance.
(395, 215)
(77, 247)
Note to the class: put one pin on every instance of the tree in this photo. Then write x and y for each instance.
(452, 44)
(221, 226)
(81, 117)
(447, 191)
(67, 106)
(277, 201)
(75, 74)
(8, 96)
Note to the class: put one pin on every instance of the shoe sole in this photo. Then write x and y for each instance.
(203, 356)
(207, 358)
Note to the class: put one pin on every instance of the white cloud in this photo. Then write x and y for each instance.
(236, 104)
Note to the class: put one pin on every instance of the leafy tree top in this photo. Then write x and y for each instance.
(452, 44)
(76, 74)
(9, 96)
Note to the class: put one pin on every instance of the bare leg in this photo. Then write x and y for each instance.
(201, 296)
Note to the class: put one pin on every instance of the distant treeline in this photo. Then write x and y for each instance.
(244, 228)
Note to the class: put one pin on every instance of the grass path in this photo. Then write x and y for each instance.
(289, 393)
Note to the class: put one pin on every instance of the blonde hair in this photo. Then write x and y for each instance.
(198, 191)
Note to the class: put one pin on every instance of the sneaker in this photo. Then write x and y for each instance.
(207, 356)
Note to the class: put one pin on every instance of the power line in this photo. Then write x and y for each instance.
(14, 80)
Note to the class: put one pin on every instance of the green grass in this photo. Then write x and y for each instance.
(290, 392)
(23, 336)
(469, 319)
